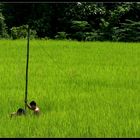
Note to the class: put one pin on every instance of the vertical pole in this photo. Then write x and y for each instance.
(26, 86)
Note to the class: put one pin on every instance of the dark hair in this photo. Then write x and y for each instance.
(20, 111)
(33, 103)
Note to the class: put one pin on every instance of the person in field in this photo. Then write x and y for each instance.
(34, 107)
(19, 112)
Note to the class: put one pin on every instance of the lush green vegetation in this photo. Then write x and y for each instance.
(77, 21)
(89, 89)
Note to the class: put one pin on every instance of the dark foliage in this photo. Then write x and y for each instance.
(82, 21)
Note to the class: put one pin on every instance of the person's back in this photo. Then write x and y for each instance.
(19, 112)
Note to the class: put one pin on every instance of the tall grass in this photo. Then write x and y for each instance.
(84, 89)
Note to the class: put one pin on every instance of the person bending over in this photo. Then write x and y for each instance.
(19, 112)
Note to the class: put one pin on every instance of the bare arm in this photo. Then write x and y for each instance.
(29, 106)
(13, 114)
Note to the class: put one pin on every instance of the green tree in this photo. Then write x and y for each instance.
(54, 19)
(3, 27)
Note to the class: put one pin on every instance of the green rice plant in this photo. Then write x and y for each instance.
(83, 89)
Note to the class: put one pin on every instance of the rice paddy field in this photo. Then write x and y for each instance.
(83, 89)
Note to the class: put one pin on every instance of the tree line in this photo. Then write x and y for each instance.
(80, 21)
